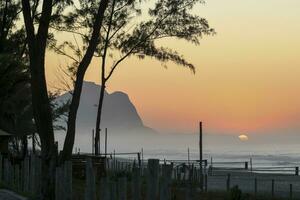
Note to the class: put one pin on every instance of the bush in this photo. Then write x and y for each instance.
(235, 193)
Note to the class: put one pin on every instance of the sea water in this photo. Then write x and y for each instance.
(219, 149)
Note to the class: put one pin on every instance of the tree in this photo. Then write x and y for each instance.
(123, 33)
(16, 115)
(15, 97)
(37, 23)
(168, 19)
(41, 15)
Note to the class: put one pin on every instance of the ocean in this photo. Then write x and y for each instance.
(221, 149)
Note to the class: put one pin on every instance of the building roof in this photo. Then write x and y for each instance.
(3, 133)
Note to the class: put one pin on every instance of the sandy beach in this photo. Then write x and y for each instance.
(246, 182)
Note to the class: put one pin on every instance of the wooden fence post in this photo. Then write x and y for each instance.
(228, 182)
(166, 179)
(136, 183)
(291, 191)
(200, 155)
(297, 171)
(255, 187)
(113, 190)
(152, 179)
(273, 186)
(122, 188)
(104, 189)
(14, 184)
(246, 165)
(90, 188)
(38, 167)
(26, 174)
(58, 184)
(105, 150)
(17, 177)
(68, 180)
(32, 175)
(6, 171)
(206, 185)
(1, 167)
(188, 193)
(139, 159)
(211, 166)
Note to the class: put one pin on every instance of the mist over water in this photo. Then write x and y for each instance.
(222, 148)
(127, 133)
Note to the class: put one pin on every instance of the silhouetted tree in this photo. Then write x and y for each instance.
(16, 115)
(169, 18)
(38, 16)
(128, 31)
(15, 97)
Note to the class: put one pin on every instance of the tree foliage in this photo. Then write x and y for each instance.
(16, 115)
(130, 31)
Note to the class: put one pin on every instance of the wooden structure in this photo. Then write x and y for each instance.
(4, 137)
(79, 162)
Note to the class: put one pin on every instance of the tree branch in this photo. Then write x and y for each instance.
(43, 28)
(107, 43)
(68, 31)
(28, 22)
(142, 41)
(61, 52)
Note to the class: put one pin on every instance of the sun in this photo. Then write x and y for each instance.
(243, 137)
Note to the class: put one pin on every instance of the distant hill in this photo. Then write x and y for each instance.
(119, 113)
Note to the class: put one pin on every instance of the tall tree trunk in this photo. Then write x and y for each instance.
(40, 100)
(93, 43)
(103, 82)
(98, 121)
(43, 120)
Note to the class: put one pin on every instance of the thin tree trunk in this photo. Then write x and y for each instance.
(24, 146)
(99, 114)
(103, 82)
(93, 43)
(43, 119)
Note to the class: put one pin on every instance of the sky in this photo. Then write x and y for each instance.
(247, 77)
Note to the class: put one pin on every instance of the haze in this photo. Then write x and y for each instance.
(247, 78)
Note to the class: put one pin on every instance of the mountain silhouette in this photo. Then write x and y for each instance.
(118, 115)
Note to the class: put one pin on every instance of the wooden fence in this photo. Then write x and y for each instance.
(151, 179)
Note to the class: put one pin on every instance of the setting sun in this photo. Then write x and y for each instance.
(243, 138)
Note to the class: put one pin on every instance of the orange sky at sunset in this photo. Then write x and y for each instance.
(247, 78)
